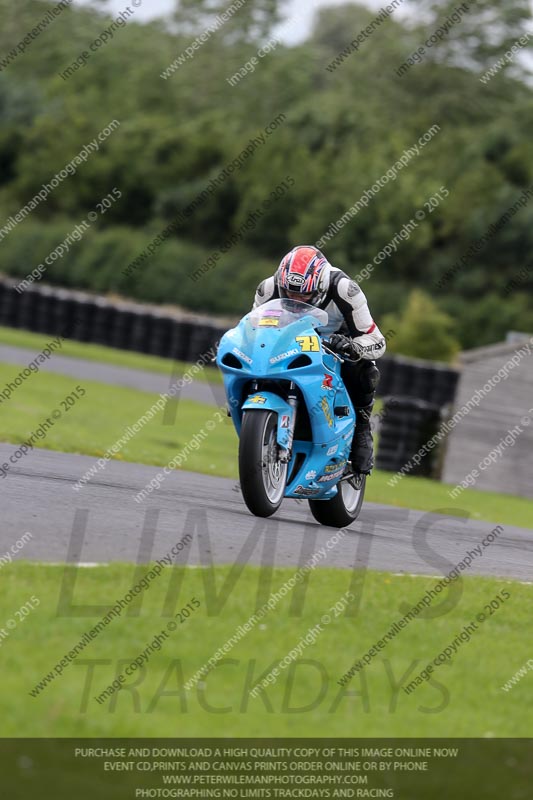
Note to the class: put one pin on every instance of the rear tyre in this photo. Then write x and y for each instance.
(262, 475)
(344, 508)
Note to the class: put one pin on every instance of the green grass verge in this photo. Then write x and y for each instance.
(99, 419)
(464, 698)
(106, 355)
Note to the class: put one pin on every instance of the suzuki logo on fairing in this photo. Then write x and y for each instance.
(288, 354)
(242, 355)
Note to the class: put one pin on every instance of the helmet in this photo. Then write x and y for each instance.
(303, 272)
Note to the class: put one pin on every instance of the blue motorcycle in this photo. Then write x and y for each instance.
(292, 413)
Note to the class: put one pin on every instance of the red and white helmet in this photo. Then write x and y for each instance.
(303, 271)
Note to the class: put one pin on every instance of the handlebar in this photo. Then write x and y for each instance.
(332, 352)
(342, 359)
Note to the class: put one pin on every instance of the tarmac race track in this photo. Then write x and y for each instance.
(144, 381)
(103, 523)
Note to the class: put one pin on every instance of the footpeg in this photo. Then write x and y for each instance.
(341, 411)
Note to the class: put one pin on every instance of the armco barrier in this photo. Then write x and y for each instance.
(406, 426)
(420, 388)
(421, 380)
(89, 318)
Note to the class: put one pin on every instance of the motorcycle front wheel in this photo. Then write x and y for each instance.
(263, 476)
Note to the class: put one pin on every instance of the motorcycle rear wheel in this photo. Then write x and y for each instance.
(344, 508)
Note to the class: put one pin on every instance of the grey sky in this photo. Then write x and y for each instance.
(300, 12)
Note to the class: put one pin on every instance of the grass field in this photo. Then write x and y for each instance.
(98, 420)
(101, 416)
(463, 698)
(106, 355)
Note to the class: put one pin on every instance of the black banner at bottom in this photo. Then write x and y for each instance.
(405, 769)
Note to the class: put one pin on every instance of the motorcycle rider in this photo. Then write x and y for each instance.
(305, 274)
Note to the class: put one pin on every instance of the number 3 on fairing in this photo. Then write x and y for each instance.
(309, 344)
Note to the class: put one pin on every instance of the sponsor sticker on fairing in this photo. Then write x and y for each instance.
(332, 477)
(306, 492)
(332, 467)
(327, 412)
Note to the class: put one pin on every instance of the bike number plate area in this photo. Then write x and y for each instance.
(309, 344)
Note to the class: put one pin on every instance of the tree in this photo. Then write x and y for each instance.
(253, 21)
(480, 31)
(422, 330)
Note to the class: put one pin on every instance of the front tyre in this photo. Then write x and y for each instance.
(262, 475)
(344, 508)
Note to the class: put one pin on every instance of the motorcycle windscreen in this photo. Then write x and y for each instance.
(281, 313)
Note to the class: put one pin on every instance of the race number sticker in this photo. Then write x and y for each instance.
(309, 344)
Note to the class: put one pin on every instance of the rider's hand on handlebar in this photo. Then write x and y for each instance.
(344, 346)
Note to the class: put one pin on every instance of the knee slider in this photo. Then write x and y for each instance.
(369, 377)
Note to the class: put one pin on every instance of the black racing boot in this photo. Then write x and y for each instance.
(362, 453)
